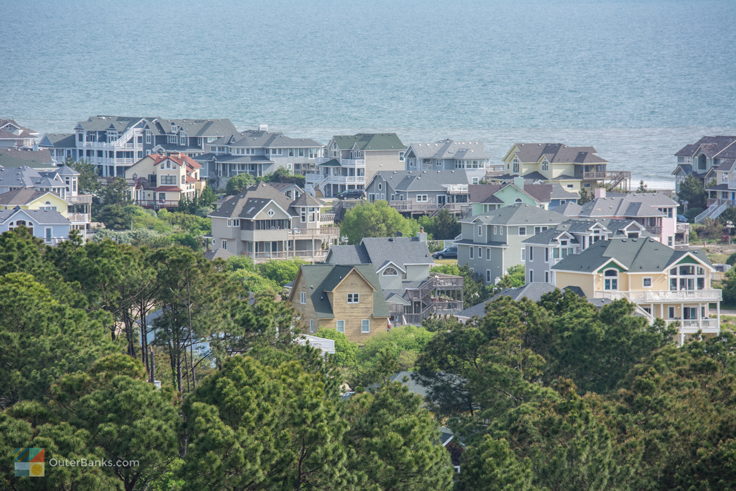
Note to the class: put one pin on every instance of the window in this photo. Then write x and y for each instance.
(546, 276)
(610, 281)
(353, 298)
(303, 298)
(522, 230)
(390, 271)
(488, 253)
(48, 234)
(523, 253)
(224, 244)
(488, 275)
(531, 276)
(546, 255)
(671, 312)
(480, 253)
(422, 198)
(233, 223)
(340, 326)
(687, 277)
(471, 252)
(545, 165)
(647, 282)
(148, 136)
(531, 253)
(515, 165)
(380, 186)
(311, 326)
(480, 229)
(365, 326)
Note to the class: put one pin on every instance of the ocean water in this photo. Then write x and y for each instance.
(638, 78)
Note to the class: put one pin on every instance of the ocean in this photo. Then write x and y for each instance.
(638, 79)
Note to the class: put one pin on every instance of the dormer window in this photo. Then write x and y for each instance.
(545, 165)
(183, 139)
(687, 277)
(390, 271)
(515, 165)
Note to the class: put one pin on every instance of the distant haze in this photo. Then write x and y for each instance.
(636, 79)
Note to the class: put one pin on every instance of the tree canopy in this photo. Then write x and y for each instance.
(375, 219)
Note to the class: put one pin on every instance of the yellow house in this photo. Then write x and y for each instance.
(33, 199)
(664, 283)
(348, 299)
(161, 181)
(571, 167)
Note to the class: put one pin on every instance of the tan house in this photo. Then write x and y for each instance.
(161, 181)
(347, 298)
(664, 283)
(571, 167)
(351, 161)
(274, 221)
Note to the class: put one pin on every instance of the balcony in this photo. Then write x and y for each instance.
(406, 205)
(78, 218)
(307, 233)
(693, 326)
(80, 199)
(317, 255)
(664, 296)
(352, 162)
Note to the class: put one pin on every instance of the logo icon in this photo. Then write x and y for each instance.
(29, 462)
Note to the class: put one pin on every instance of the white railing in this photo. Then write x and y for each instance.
(692, 326)
(306, 233)
(352, 162)
(663, 296)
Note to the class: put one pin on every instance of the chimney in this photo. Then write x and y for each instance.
(422, 235)
(519, 182)
(263, 127)
(599, 193)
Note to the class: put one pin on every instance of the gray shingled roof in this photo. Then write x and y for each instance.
(557, 152)
(11, 157)
(519, 214)
(322, 278)
(42, 217)
(637, 255)
(58, 140)
(20, 196)
(428, 180)
(265, 139)
(235, 206)
(378, 251)
(369, 141)
(629, 205)
(450, 149)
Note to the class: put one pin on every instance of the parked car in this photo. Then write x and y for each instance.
(446, 253)
(351, 194)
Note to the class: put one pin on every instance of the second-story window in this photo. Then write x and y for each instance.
(610, 279)
(353, 298)
(687, 277)
(522, 230)
(303, 298)
(515, 165)
(480, 230)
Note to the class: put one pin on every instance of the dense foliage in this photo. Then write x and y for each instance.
(86, 329)
(376, 219)
(551, 395)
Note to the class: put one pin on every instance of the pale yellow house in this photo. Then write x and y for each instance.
(347, 299)
(664, 283)
(161, 181)
(572, 168)
(34, 199)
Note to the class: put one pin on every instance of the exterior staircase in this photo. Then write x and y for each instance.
(713, 211)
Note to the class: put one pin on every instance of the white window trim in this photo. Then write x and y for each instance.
(643, 282)
(365, 326)
(356, 296)
(303, 298)
(340, 326)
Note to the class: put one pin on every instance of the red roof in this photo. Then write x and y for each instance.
(179, 159)
(168, 188)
